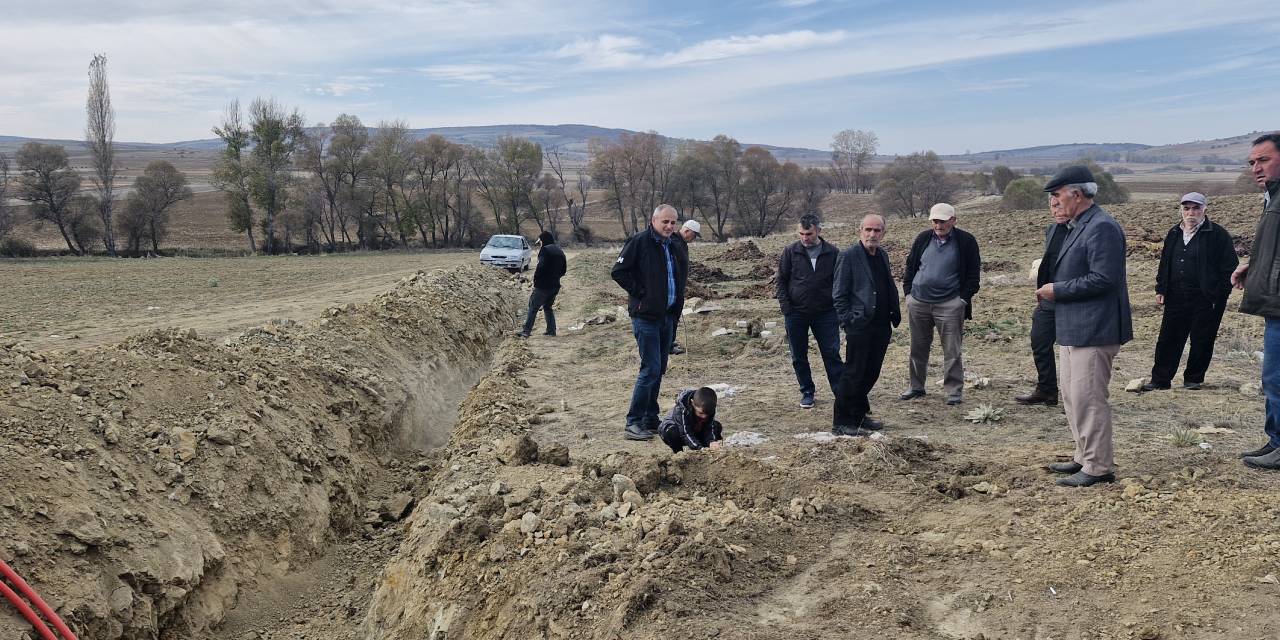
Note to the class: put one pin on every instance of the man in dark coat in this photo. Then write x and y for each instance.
(866, 302)
(652, 268)
(692, 422)
(1092, 319)
(690, 231)
(806, 271)
(1043, 331)
(944, 271)
(546, 283)
(1192, 284)
(1260, 279)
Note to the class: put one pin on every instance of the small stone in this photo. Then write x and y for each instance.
(183, 442)
(530, 522)
(1270, 578)
(633, 498)
(121, 598)
(984, 487)
(1135, 385)
(608, 513)
(624, 510)
(621, 485)
(498, 488)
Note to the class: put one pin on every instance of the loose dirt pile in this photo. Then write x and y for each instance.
(145, 482)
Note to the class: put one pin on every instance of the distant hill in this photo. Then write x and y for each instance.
(1051, 153)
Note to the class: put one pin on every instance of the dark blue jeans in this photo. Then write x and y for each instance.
(542, 299)
(1271, 378)
(826, 332)
(653, 339)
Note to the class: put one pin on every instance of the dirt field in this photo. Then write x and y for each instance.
(939, 529)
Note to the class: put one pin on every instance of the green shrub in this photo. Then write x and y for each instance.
(1024, 193)
(17, 248)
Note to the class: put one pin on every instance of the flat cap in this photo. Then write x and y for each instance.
(1074, 174)
(1196, 197)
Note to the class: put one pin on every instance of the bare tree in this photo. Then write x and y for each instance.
(768, 192)
(391, 154)
(8, 220)
(349, 151)
(575, 200)
(50, 185)
(815, 185)
(722, 157)
(231, 175)
(160, 186)
(851, 153)
(100, 134)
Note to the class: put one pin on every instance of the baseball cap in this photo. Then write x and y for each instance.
(693, 226)
(942, 211)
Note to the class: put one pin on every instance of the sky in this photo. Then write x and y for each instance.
(944, 76)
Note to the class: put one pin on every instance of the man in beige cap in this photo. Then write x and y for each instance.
(944, 271)
(690, 231)
(1192, 284)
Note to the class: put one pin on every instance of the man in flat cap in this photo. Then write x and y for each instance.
(1092, 319)
(1192, 284)
(690, 231)
(944, 270)
(1261, 286)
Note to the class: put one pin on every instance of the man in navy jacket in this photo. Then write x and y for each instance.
(653, 269)
(806, 271)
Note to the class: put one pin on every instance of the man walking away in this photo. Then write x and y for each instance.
(866, 303)
(944, 271)
(806, 272)
(1192, 284)
(1260, 279)
(546, 283)
(1093, 319)
(652, 268)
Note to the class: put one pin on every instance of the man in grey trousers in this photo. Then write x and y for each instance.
(1091, 304)
(944, 271)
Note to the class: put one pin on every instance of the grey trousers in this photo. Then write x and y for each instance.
(948, 318)
(1084, 373)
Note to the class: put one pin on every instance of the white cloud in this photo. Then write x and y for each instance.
(623, 52)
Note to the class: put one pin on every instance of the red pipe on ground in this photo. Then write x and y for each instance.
(30, 594)
(21, 606)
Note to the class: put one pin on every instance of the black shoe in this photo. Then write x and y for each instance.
(953, 401)
(806, 401)
(1082, 479)
(676, 349)
(1152, 386)
(1038, 397)
(911, 394)
(521, 334)
(849, 430)
(871, 424)
(637, 432)
(1260, 451)
(552, 334)
(1065, 467)
(1192, 386)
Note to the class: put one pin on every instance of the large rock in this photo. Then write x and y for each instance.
(517, 450)
(554, 453)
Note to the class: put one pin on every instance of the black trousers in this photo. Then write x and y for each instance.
(1043, 336)
(541, 299)
(1186, 314)
(863, 357)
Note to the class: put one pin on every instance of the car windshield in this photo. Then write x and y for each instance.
(498, 242)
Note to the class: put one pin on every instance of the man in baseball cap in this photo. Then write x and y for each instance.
(691, 230)
(1192, 284)
(944, 271)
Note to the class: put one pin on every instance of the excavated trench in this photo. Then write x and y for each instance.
(147, 484)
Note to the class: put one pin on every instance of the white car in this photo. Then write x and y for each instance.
(509, 252)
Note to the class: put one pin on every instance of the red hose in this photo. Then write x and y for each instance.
(21, 606)
(30, 594)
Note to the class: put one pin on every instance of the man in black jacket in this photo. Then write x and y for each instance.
(1192, 284)
(690, 231)
(806, 271)
(1043, 327)
(866, 303)
(652, 268)
(546, 283)
(944, 271)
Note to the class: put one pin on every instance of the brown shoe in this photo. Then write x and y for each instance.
(1038, 397)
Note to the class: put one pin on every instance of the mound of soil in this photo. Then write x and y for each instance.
(706, 274)
(143, 483)
(746, 250)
